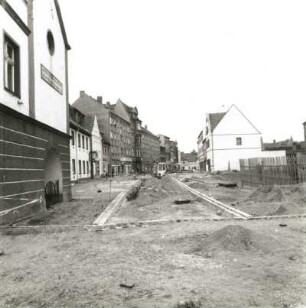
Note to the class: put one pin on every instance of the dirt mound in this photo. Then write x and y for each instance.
(234, 238)
(280, 211)
(196, 184)
(267, 194)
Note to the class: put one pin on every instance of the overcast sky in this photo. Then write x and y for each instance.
(178, 60)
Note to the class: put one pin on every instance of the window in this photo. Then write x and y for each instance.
(80, 167)
(72, 137)
(73, 166)
(83, 143)
(87, 165)
(84, 170)
(238, 141)
(11, 67)
(207, 144)
(79, 140)
(86, 143)
(50, 41)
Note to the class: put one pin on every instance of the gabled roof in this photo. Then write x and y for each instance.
(89, 122)
(60, 18)
(76, 125)
(214, 119)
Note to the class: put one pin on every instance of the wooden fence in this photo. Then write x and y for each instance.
(273, 170)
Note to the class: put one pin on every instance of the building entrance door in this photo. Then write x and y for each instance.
(52, 194)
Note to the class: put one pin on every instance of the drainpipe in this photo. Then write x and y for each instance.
(31, 85)
(76, 144)
(212, 152)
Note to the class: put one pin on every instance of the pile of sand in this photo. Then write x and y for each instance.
(234, 238)
(267, 194)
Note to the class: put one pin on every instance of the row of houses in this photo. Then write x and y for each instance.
(230, 136)
(117, 141)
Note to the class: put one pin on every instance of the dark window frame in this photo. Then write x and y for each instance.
(238, 141)
(7, 39)
(73, 166)
(80, 167)
(72, 137)
(79, 140)
(83, 142)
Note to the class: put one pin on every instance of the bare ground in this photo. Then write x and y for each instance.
(260, 201)
(167, 264)
(156, 200)
(90, 198)
(188, 264)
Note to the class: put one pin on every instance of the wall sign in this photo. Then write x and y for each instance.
(50, 79)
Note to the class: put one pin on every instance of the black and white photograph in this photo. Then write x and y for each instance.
(153, 153)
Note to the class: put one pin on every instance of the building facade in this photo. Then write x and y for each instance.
(169, 153)
(80, 146)
(201, 151)
(106, 158)
(136, 131)
(150, 150)
(114, 122)
(96, 143)
(164, 144)
(228, 137)
(34, 128)
(189, 161)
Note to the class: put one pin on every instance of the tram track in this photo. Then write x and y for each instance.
(235, 212)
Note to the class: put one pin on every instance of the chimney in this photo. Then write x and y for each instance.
(304, 131)
(99, 99)
(274, 141)
(82, 93)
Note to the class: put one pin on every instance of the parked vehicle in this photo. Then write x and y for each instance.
(161, 170)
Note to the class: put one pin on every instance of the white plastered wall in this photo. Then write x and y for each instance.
(50, 106)
(97, 145)
(10, 27)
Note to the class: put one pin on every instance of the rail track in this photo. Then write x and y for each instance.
(235, 212)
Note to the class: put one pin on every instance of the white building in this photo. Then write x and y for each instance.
(80, 146)
(91, 124)
(34, 142)
(228, 137)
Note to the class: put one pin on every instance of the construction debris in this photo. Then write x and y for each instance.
(182, 201)
(127, 285)
(227, 185)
